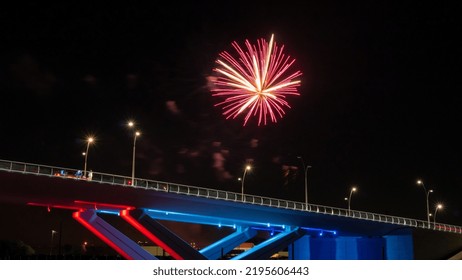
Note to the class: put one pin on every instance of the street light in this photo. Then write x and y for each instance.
(247, 168)
(53, 232)
(353, 189)
(305, 168)
(137, 133)
(439, 206)
(427, 194)
(89, 141)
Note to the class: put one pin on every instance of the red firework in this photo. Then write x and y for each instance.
(257, 83)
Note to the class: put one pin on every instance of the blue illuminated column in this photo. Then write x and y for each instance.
(300, 249)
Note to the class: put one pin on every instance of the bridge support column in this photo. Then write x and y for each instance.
(225, 245)
(371, 248)
(160, 235)
(271, 246)
(399, 247)
(123, 245)
(323, 248)
(346, 248)
(300, 249)
(359, 248)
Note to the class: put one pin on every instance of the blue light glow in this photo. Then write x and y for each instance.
(108, 212)
(320, 230)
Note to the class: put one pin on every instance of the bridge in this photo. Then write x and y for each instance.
(307, 231)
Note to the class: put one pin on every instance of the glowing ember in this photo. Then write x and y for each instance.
(257, 83)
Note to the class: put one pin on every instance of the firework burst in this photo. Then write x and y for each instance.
(257, 83)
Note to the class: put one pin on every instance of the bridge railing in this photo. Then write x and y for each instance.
(68, 173)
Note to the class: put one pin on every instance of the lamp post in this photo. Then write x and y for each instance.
(305, 168)
(53, 232)
(427, 194)
(353, 189)
(247, 168)
(89, 141)
(439, 206)
(137, 133)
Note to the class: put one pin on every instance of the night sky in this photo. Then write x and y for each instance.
(379, 105)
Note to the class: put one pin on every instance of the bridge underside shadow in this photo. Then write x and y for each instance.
(301, 243)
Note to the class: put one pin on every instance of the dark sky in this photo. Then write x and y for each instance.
(380, 102)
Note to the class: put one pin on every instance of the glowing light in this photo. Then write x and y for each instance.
(78, 216)
(125, 214)
(256, 83)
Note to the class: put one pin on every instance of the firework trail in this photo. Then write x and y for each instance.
(256, 83)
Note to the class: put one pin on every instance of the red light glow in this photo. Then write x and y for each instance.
(125, 214)
(101, 205)
(76, 215)
(49, 206)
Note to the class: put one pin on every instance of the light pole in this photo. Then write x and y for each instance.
(89, 141)
(247, 168)
(439, 206)
(53, 232)
(137, 133)
(305, 168)
(427, 194)
(353, 189)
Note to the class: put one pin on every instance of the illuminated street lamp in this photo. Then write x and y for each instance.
(439, 206)
(89, 141)
(305, 168)
(427, 194)
(53, 232)
(247, 168)
(137, 133)
(353, 189)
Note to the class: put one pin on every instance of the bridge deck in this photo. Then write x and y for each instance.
(33, 184)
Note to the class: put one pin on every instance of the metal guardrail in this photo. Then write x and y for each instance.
(68, 173)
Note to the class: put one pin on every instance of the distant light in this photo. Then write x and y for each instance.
(131, 124)
(219, 225)
(268, 225)
(321, 233)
